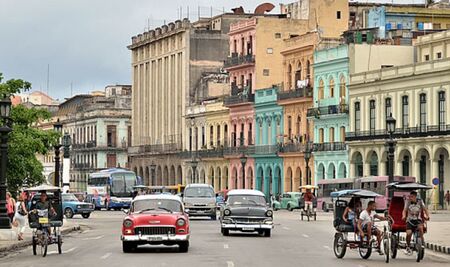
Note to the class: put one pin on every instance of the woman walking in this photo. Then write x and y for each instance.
(20, 216)
(10, 205)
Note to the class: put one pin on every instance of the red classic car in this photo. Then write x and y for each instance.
(156, 219)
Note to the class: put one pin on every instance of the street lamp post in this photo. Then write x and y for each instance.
(152, 168)
(67, 142)
(243, 162)
(194, 164)
(58, 128)
(390, 125)
(5, 110)
(307, 156)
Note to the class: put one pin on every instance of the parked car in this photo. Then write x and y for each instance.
(288, 201)
(156, 220)
(72, 206)
(247, 211)
(200, 200)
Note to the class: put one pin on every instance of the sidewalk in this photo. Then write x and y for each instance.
(438, 233)
(8, 238)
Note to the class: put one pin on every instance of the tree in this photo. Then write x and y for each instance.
(25, 141)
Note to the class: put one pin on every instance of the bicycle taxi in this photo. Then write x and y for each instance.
(308, 209)
(397, 226)
(347, 235)
(45, 217)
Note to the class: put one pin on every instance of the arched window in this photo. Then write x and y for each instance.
(342, 133)
(321, 135)
(321, 89)
(332, 87)
(331, 135)
(342, 87)
(289, 77)
(308, 70)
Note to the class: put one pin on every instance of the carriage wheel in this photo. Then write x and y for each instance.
(339, 246)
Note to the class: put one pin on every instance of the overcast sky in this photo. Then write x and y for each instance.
(84, 41)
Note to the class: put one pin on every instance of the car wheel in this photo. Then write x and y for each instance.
(267, 233)
(86, 215)
(128, 247)
(69, 213)
(289, 208)
(214, 217)
(225, 232)
(107, 205)
(324, 207)
(183, 247)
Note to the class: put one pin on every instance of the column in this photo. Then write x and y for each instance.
(274, 131)
(264, 132)
(366, 169)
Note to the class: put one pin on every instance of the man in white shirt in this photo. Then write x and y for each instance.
(366, 225)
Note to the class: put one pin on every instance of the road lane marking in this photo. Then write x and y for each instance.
(104, 257)
(70, 250)
(327, 247)
(230, 264)
(63, 252)
(306, 236)
(225, 246)
(286, 228)
(94, 238)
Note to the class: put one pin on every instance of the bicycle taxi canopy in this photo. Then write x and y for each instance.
(408, 186)
(349, 193)
(54, 198)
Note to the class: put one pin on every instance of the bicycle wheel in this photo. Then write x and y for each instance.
(34, 242)
(44, 243)
(420, 249)
(339, 246)
(365, 249)
(387, 246)
(394, 246)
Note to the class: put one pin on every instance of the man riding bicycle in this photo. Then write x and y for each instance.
(366, 224)
(412, 214)
(308, 197)
(44, 204)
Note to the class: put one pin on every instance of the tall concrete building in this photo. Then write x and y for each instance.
(167, 64)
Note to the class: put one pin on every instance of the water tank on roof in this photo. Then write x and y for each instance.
(420, 26)
(388, 26)
(399, 26)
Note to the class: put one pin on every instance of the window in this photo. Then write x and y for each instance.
(343, 134)
(321, 135)
(436, 26)
(211, 136)
(234, 135)
(332, 88)
(225, 134)
(111, 136)
(277, 35)
(269, 50)
(250, 134)
(405, 166)
(372, 116)
(357, 117)
(405, 112)
(266, 72)
(427, 57)
(190, 139)
(342, 88)
(439, 55)
(260, 133)
(241, 136)
(289, 77)
(331, 135)
(203, 136)
(338, 15)
(129, 135)
(299, 120)
(111, 161)
(321, 89)
(423, 112)
(441, 110)
(218, 135)
(289, 127)
(387, 108)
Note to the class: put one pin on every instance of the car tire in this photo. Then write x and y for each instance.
(107, 205)
(128, 247)
(324, 207)
(289, 208)
(68, 212)
(85, 215)
(214, 217)
(225, 232)
(267, 233)
(184, 247)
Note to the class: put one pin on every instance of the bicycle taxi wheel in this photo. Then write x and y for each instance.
(386, 244)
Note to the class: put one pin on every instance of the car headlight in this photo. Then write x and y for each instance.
(227, 212)
(127, 223)
(114, 199)
(269, 213)
(181, 222)
(78, 206)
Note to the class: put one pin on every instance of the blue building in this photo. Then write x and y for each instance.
(330, 112)
(386, 21)
(269, 130)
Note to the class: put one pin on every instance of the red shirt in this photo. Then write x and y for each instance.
(308, 196)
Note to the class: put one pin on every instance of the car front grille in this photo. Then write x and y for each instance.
(249, 220)
(155, 230)
(85, 206)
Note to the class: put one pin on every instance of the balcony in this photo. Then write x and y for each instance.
(239, 150)
(202, 154)
(82, 166)
(239, 99)
(407, 132)
(90, 144)
(169, 148)
(293, 148)
(335, 146)
(266, 149)
(328, 110)
(296, 93)
(238, 60)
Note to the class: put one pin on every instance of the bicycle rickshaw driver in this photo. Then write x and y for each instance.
(44, 204)
(308, 197)
(412, 214)
(366, 225)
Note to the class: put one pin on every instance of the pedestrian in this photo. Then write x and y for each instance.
(20, 217)
(447, 198)
(10, 205)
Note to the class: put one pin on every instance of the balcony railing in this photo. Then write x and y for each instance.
(90, 144)
(237, 60)
(203, 154)
(296, 93)
(239, 150)
(266, 149)
(239, 99)
(336, 146)
(328, 110)
(83, 166)
(293, 148)
(407, 132)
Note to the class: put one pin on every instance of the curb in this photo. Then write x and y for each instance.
(433, 247)
(27, 243)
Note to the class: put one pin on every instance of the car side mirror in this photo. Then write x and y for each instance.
(126, 211)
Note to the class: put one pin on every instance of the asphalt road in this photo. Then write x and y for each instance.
(293, 243)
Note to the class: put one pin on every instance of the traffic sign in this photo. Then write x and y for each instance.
(435, 181)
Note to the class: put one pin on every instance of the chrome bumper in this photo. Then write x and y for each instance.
(154, 238)
(246, 226)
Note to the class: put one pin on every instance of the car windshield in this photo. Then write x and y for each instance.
(247, 200)
(69, 197)
(205, 192)
(168, 205)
